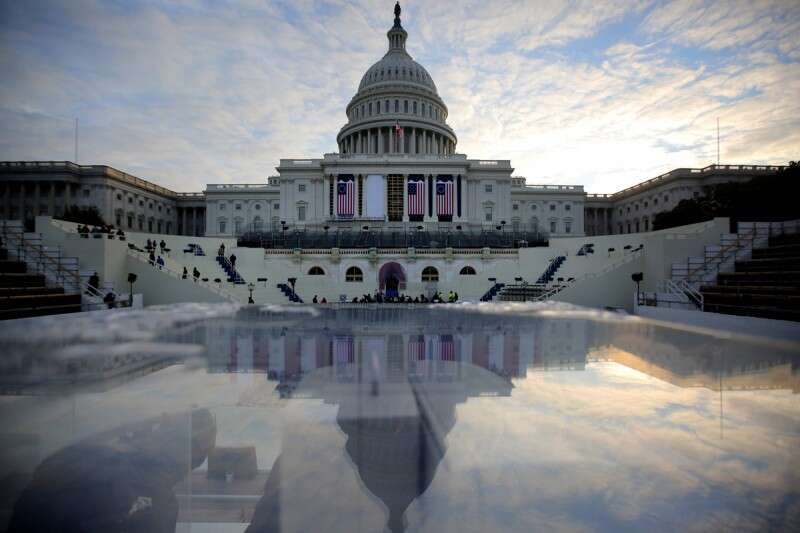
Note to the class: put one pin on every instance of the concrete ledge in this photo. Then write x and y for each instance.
(740, 325)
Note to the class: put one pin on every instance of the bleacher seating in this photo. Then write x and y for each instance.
(547, 275)
(23, 294)
(767, 285)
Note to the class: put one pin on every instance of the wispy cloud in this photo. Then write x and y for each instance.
(603, 94)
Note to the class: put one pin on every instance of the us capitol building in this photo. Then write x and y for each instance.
(397, 169)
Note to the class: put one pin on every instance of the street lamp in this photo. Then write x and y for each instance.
(250, 287)
(131, 279)
(292, 281)
(637, 277)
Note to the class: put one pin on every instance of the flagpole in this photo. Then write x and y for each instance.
(717, 141)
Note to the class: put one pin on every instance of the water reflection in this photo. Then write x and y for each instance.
(407, 421)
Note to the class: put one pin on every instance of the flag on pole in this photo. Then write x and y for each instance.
(444, 198)
(345, 203)
(398, 130)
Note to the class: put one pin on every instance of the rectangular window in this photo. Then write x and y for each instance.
(405, 106)
(397, 106)
(552, 226)
(237, 226)
(487, 213)
(567, 207)
(370, 109)
(552, 207)
(222, 207)
(238, 207)
(386, 106)
(301, 187)
(301, 213)
(222, 226)
(568, 227)
(515, 207)
(277, 206)
(487, 187)
(415, 108)
(86, 193)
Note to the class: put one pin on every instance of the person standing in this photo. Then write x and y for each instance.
(233, 260)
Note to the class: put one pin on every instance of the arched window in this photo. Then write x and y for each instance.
(258, 224)
(467, 271)
(354, 274)
(316, 271)
(430, 274)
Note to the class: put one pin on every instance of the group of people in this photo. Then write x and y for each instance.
(221, 253)
(195, 273)
(105, 228)
(380, 298)
(93, 287)
(151, 247)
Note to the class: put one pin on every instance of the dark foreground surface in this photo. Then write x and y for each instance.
(214, 418)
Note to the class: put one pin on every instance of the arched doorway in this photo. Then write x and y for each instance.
(391, 279)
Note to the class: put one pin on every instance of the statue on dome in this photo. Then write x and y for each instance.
(397, 11)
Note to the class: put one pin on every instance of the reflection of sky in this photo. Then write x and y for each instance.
(610, 448)
(595, 444)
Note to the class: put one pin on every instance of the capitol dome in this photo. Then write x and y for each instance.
(397, 66)
(397, 109)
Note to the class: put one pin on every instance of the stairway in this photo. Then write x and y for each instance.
(492, 292)
(767, 285)
(24, 294)
(287, 291)
(230, 272)
(547, 275)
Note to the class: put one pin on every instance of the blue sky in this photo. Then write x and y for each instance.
(603, 94)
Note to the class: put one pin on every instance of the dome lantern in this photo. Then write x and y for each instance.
(397, 35)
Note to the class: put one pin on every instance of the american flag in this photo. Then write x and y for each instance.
(446, 349)
(444, 198)
(345, 204)
(416, 348)
(344, 357)
(417, 362)
(416, 198)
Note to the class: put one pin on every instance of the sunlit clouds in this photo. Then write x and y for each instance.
(604, 94)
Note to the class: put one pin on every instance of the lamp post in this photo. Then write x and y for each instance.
(250, 287)
(292, 281)
(131, 279)
(637, 277)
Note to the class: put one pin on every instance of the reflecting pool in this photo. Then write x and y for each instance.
(458, 418)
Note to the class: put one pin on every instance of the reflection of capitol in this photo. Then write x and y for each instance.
(427, 354)
(422, 352)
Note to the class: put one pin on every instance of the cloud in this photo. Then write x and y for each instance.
(601, 94)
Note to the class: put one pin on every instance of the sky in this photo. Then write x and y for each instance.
(601, 94)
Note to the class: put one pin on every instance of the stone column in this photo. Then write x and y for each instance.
(380, 141)
(405, 198)
(184, 229)
(37, 191)
(22, 201)
(51, 199)
(194, 222)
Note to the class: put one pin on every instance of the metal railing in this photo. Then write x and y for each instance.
(213, 287)
(33, 253)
